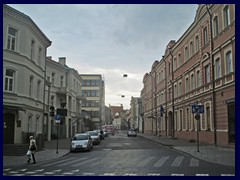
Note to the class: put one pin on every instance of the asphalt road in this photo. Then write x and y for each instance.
(120, 155)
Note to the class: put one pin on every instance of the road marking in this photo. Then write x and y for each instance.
(76, 170)
(153, 174)
(88, 174)
(108, 174)
(145, 161)
(202, 174)
(39, 170)
(22, 169)
(49, 173)
(58, 170)
(177, 161)
(84, 162)
(18, 174)
(194, 162)
(67, 173)
(106, 149)
(161, 161)
(71, 162)
(177, 174)
(130, 174)
(7, 169)
(13, 172)
(227, 174)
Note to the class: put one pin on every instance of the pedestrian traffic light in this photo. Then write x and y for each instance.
(52, 114)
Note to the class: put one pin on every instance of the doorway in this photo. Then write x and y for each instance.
(231, 122)
(9, 127)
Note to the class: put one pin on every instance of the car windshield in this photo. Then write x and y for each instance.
(93, 133)
(80, 137)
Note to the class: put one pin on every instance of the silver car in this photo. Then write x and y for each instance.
(81, 142)
(95, 137)
(132, 132)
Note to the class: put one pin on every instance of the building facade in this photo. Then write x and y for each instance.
(198, 69)
(24, 53)
(93, 88)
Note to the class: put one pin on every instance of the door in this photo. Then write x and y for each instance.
(9, 127)
(231, 122)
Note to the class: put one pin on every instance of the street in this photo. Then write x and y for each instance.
(120, 155)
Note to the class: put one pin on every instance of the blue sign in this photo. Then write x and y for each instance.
(198, 109)
(57, 117)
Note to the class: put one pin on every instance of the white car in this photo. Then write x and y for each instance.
(132, 132)
(81, 142)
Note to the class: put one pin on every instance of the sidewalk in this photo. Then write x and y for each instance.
(49, 153)
(210, 153)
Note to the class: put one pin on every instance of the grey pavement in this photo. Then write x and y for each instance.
(210, 153)
(55, 149)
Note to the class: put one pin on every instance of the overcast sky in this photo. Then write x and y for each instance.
(111, 39)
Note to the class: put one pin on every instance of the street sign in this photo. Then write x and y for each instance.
(198, 109)
(57, 118)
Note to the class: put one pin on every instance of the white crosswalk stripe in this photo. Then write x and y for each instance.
(161, 161)
(145, 161)
(84, 162)
(71, 162)
(194, 162)
(57, 162)
(177, 161)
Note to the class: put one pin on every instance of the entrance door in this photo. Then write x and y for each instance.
(231, 122)
(9, 127)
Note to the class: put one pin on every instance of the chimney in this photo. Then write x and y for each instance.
(62, 60)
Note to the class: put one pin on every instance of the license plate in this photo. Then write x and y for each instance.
(79, 146)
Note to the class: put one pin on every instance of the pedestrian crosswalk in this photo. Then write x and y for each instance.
(152, 163)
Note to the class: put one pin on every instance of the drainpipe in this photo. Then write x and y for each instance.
(213, 76)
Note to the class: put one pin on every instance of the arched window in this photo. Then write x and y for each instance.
(226, 16)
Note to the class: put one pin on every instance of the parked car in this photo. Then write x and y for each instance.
(131, 132)
(95, 137)
(100, 133)
(81, 141)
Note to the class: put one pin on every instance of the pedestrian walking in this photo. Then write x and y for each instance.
(32, 148)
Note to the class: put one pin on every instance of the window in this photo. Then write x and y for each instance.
(207, 74)
(186, 120)
(31, 86)
(39, 56)
(32, 49)
(169, 68)
(61, 81)
(215, 26)
(191, 48)
(197, 44)
(9, 80)
(208, 118)
(175, 90)
(30, 124)
(218, 68)
(187, 85)
(180, 119)
(229, 63)
(53, 77)
(174, 63)
(180, 89)
(205, 35)
(176, 125)
(179, 60)
(38, 89)
(226, 16)
(52, 100)
(192, 82)
(12, 39)
(198, 79)
(186, 53)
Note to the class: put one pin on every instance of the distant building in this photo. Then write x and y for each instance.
(24, 50)
(93, 89)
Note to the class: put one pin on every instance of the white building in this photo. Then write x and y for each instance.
(24, 52)
(65, 87)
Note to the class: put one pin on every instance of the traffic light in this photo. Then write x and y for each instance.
(52, 114)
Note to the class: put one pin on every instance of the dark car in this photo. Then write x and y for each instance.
(132, 132)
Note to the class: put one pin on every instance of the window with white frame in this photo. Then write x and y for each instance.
(180, 119)
(175, 90)
(179, 88)
(174, 63)
(229, 63)
(208, 118)
(53, 78)
(218, 73)
(192, 82)
(32, 49)
(12, 39)
(215, 26)
(226, 16)
(207, 74)
(39, 55)
(176, 125)
(38, 89)
(186, 120)
(31, 86)
(9, 80)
